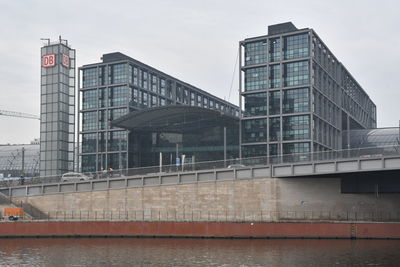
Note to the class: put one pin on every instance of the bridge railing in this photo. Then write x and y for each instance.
(332, 155)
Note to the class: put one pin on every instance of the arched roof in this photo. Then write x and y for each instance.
(374, 137)
(174, 118)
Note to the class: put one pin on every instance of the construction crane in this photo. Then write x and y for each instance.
(18, 114)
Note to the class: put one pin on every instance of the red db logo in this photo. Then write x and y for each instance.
(48, 60)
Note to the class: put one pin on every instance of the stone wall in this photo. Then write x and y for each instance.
(252, 199)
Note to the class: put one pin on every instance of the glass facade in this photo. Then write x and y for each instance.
(256, 79)
(256, 53)
(114, 88)
(57, 110)
(296, 73)
(254, 130)
(296, 46)
(310, 101)
(296, 100)
(255, 105)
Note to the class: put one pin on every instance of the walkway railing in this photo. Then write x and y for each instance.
(334, 155)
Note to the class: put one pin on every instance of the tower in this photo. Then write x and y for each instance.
(57, 108)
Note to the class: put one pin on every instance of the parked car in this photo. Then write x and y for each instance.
(74, 176)
(234, 166)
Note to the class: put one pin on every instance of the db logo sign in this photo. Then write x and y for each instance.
(65, 60)
(48, 60)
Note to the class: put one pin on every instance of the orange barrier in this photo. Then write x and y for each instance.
(16, 212)
(202, 229)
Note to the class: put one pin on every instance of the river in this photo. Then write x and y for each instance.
(197, 252)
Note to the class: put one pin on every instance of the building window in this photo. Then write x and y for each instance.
(89, 99)
(135, 76)
(192, 98)
(199, 100)
(118, 96)
(185, 96)
(89, 142)
(292, 148)
(89, 77)
(273, 150)
(255, 105)
(118, 73)
(254, 130)
(154, 83)
(295, 100)
(154, 101)
(88, 163)
(115, 113)
(89, 121)
(162, 86)
(296, 127)
(256, 79)
(145, 101)
(254, 151)
(275, 76)
(256, 52)
(117, 140)
(296, 46)
(296, 73)
(179, 94)
(274, 102)
(144, 80)
(274, 129)
(274, 50)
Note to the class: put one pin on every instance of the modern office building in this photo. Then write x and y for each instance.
(122, 86)
(296, 96)
(57, 108)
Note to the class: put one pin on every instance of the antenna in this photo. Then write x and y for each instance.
(46, 39)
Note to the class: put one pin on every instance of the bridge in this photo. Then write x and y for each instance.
(318, 165)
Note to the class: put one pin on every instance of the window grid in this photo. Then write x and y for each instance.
(254, 130)
(296, 73)
(296, 127)
(296, 46)
(295, 100)
(256, 79)
(256, 52)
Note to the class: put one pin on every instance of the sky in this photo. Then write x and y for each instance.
(194, 41)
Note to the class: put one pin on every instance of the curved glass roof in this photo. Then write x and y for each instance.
(176, 118)
(373, 137)
(11, 160)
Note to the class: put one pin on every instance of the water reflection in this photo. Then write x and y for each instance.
(197, 252)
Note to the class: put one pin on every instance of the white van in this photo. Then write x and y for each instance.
(74, 176)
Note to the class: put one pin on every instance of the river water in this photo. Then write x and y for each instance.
(197, 252)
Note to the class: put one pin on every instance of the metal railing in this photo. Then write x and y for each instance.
(195, 215)
(333, 155)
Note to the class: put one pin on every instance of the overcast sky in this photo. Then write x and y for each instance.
(195, 41)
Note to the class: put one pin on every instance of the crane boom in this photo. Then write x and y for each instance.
(18, 114)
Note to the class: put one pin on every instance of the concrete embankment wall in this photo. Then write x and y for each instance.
(201, 229)
(278, 198)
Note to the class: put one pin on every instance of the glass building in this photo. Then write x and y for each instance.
(57, 109)
(296, 96)
(120, 85)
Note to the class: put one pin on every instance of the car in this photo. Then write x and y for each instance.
(234, 166)
(74, 176)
